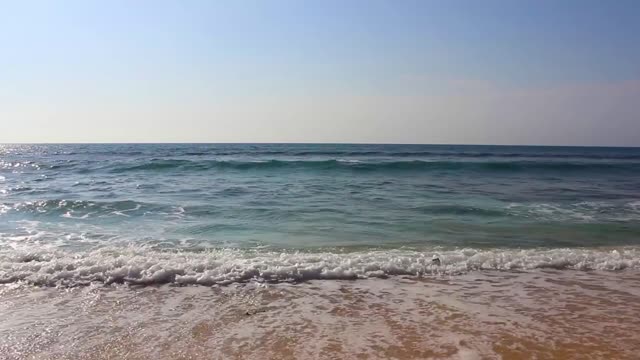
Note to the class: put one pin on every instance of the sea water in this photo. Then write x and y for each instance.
(221, 213)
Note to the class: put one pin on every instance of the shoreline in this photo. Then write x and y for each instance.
(484, 315)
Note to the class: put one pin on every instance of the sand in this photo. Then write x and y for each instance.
(487, 315)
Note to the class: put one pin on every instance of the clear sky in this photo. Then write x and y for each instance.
(480, 71)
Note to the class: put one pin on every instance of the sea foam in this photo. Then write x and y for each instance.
(139, 265)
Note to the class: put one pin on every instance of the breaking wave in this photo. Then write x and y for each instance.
(146, 266)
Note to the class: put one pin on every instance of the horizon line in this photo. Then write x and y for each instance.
(305, 143)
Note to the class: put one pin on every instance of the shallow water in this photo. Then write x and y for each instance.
(543, 314)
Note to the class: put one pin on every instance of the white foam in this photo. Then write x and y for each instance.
(69, 215)
(136, 265)
(585, 211)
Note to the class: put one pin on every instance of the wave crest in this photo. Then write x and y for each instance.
(409, 165)
(144, 266)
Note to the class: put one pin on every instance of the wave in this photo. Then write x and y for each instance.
(18, 165)
(454, 209)
(342, 161)
(144, 266)
(581, 212)
(81, 208)
(411, 153)
(455, 154)
(602, 213)
(412, 165)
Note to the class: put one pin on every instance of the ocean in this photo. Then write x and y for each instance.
(281, 245)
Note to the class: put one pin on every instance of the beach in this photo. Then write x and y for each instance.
(547, 314)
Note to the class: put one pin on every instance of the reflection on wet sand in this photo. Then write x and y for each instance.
(492, 315)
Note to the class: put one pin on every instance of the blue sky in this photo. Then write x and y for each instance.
(335, 71)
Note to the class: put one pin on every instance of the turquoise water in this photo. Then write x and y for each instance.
(262, 207)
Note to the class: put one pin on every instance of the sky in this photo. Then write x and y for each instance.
(546, 72)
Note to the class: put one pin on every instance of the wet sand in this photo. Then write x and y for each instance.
(492, 315)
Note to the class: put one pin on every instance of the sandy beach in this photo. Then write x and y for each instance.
(494, 315)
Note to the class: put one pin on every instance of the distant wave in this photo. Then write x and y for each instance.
(403, 154)
(78, 208)
(408, 154)
(410, 165)
(453, 209)
(159, 164)
(145, 266)
(336, 152)
(353, 160)
(627, 211)
(456, 154)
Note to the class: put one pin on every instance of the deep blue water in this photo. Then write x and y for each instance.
(323, 197)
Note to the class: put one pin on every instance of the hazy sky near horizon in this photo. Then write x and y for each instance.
(563, 72)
